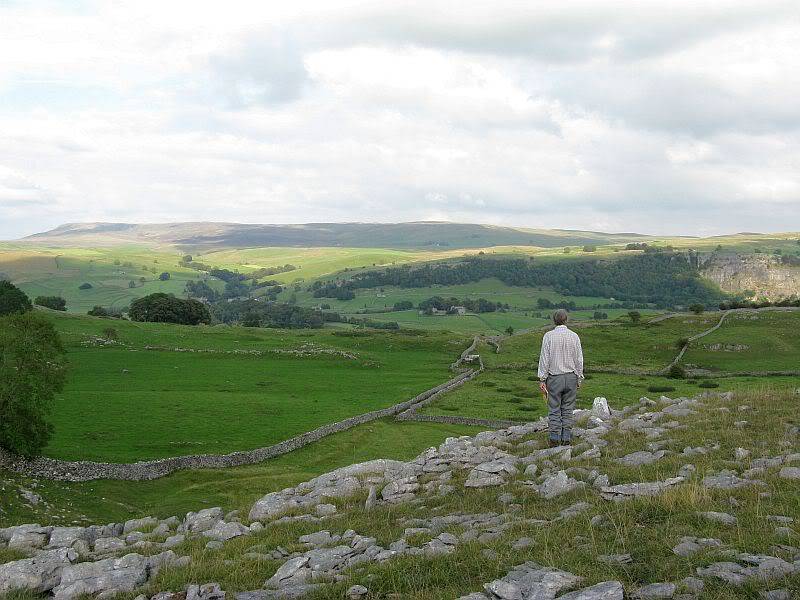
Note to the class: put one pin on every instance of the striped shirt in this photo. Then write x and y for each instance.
(561, 353)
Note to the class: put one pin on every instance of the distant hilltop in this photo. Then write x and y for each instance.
(421, 234)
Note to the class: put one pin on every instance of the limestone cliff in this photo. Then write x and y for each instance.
(759, 275)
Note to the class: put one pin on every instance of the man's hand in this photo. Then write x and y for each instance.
(543, 387)
(580, 382)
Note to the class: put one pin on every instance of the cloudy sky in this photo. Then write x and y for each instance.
(649, 116)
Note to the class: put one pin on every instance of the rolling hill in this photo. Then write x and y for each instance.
(424, 234)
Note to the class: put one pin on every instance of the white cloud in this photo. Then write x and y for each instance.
(678, 118)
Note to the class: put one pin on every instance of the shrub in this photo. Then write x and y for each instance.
(164, 276)
(98, 311)
(85, 286)
(131, 284)
(110, 334)
(697, 308)
(503, 389)
(516, 400)
(31, 373)
(527, 408)
(635, 316)
(708, 384)
(680, 343)
(251, 320)
(676, 371)
(12, 299)
(488, 383)
(53, 302)
(165, 308)
(660, 388)
(403, 305)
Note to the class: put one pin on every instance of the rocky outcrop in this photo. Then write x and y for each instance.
(764, 275)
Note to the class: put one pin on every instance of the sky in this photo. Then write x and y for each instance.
(679, 117)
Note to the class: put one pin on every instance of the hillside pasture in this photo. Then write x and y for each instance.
(41, 271)
(750, 341)
(165, 390)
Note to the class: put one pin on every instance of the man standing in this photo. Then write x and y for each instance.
(560, 376)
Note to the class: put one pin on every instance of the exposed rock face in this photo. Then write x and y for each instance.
(765, 275)
(38, 574)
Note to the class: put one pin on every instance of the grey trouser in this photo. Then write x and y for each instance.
(562, 390)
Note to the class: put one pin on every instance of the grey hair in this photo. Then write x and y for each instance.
(560, 317)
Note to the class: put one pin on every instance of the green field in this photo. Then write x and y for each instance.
(220, 389)
(41, 271)
(767, 341)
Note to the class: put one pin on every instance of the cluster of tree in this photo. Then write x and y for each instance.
(267, 271)
(271, 314)
(201, 289)
(731, 304)
(102, 311)
(481, 305)
(52, 302)
(166, 308)
(637, 246)
(32, 371)
(401, 305)
(599, 316)
(12, 299)
(546, 303)
(662, 278)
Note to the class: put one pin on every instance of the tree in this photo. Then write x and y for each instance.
(187, 258)
(98, 311)
(635, 316)
(697, 308)
(599, 316)
(166, 308)
(590, 248)
(12, 299)
(676, 371)
(31, 373)
(509, 330)
(85, 286)
(52, 302)
(131, 284)
(164, 276)
(251, 320)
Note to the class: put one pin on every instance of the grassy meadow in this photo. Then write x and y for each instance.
(221, 389)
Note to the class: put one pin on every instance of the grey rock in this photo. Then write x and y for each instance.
(138, 524)
(357, 591)
(779, 594)
(174, 540)
(633, 490)
(214, 545)
(642, 457)
(38, 574)
(691, 545)
(325, 510)
(608, 590)
(655, 591)
(109, 544)
(521, 543)
(319, 539)
(371, 498)
(789, 473)
(65, 537)
(208, 591)
(574, 510)
(728, 480)
(223, 531)
(692, 585)
(117, 574)
(203, 520)
(481, 479)
(719, 517)
(741, 454)
(558, 484)
(293, 569)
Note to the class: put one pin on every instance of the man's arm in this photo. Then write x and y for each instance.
(544, 358)
(579, 360)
